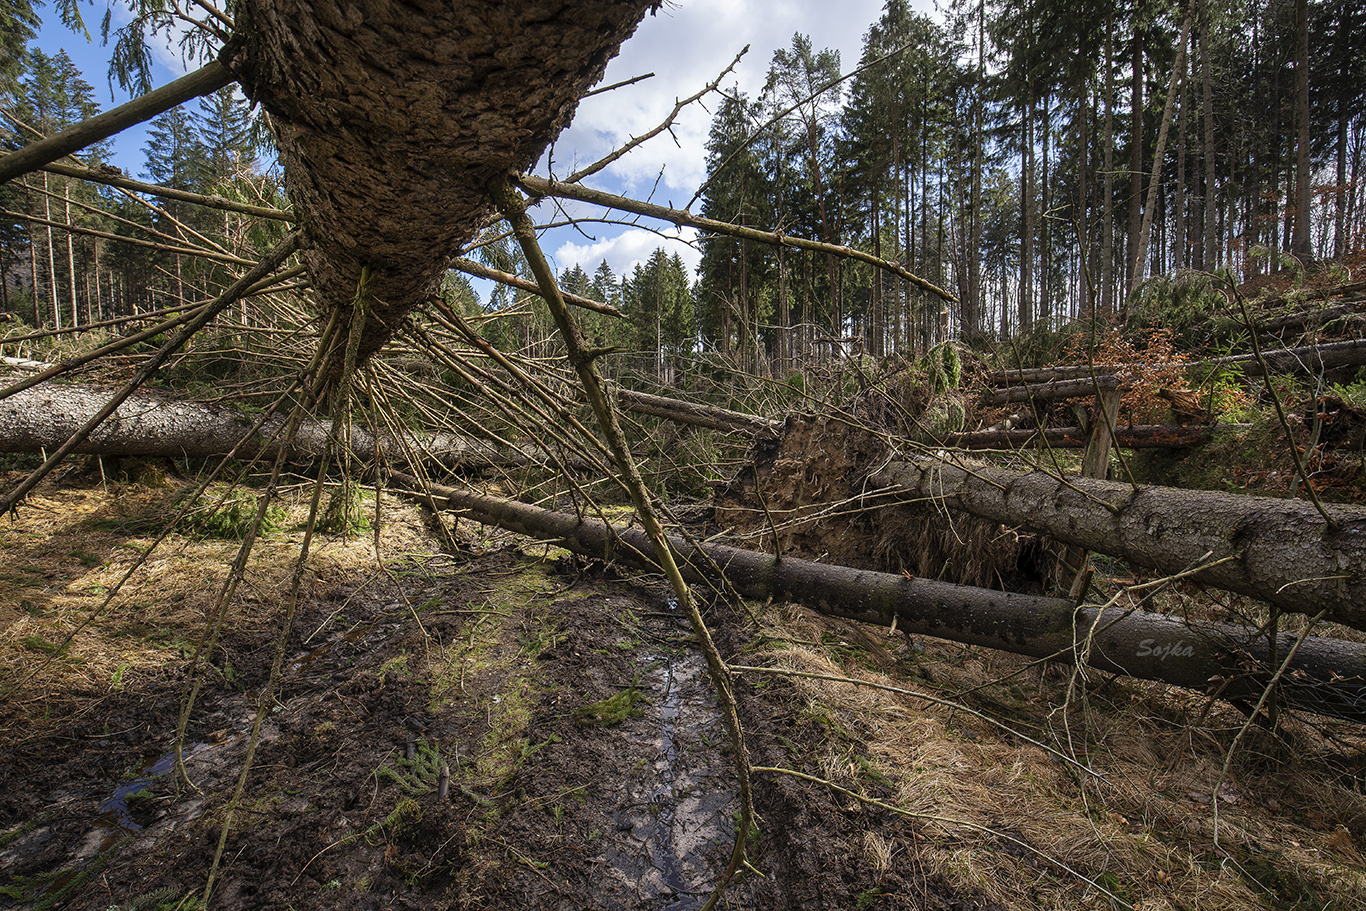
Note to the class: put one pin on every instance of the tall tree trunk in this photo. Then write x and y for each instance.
(1132, 266)
(1179, 259)
(1107, 225)
(1155, 180)
(33, 276)
(1026, 302)
(71, 257)
(1044, 297)
(972, 312)
(1209, 258)
(1302, 244)
(53, 305)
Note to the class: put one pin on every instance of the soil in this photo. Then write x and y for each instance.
(568, 712)
(491, 723)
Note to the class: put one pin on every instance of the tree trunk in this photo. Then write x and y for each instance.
(390, 125)
(1133, 436)
(1131, 264)
(1302, 244)
(1279, 551)
(1327, 676)
(45, 416)
(1155, 181)
(1107, 224)
(1208, 255)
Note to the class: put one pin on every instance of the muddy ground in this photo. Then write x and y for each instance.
(497, 725)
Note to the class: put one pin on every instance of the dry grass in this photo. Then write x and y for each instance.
(71, 545)
(1142, 825)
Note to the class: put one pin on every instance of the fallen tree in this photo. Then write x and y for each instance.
(1324, 675)
(1305, 359)
(1277, 550)
(1130, 436)
(44, 417)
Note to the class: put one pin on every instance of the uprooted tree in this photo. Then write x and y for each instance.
(401, 136)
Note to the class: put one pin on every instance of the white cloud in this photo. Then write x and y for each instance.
(686, 45)
(630, 248)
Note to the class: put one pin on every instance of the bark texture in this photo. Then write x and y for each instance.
(1131, 436)
(1281, 551)
(1327, 676)
(44, 417)
(392, 118)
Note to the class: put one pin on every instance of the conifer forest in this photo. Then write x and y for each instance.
(958, 501)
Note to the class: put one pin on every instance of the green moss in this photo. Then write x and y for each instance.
(612, 710)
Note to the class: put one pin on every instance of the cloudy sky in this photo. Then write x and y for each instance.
(686, 45)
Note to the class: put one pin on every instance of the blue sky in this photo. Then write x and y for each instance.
(93, 60)
(685, 45)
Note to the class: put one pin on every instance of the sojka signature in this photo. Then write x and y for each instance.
(1178, 649)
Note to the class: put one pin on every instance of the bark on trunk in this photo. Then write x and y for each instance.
(1053, 390)
(698, 415)
(45, 416)
(1279, 551)
(1327, 676)
(393, 119)
(1136, 436)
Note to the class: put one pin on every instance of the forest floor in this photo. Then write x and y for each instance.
(566, 715)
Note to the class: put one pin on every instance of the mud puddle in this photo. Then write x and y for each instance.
(678, 796)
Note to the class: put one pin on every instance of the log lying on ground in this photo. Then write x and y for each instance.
(1279, 551)
(1134, 436)
(692, 413)
(1304, 359)
(1327, 676)
(42, 418)
(1053, 389)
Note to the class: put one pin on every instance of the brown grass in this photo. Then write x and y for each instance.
(69, 546)
(1142, 825)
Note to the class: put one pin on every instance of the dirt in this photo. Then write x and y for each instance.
(499, 725)
(586, 764)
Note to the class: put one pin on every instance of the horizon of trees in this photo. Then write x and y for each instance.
(1037, 159)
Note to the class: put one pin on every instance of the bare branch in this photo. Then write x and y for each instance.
(112, 177)
(206, 79)
(470, 267)
(540, 186)
(668, 122)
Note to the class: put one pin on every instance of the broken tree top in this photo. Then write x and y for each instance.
(392, 118)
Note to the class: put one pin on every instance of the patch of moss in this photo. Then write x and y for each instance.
(612, 710)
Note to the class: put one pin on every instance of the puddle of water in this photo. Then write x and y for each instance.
(115, 819)
(678, 798)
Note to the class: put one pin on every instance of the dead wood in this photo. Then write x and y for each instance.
(1134, 436)
(1328, 676)
(1052, 390)
(202, 81)
(683, 412)
(1279, 551)
(44, 417)
(1303, 359)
